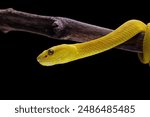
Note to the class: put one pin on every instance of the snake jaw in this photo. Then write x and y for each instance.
(44, 63)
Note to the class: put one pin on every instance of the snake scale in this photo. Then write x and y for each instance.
(65, 53)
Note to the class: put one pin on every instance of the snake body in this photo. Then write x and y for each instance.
(65, 53)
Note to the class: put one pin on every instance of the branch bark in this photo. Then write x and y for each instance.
(60, 28)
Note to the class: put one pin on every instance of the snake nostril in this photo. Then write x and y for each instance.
(45, 56)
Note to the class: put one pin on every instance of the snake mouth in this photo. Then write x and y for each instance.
(44, 63)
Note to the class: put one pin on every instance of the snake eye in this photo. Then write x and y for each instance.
(50, 52)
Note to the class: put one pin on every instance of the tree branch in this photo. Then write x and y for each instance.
(60, 28)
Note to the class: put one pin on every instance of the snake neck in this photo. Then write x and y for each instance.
(123, 33)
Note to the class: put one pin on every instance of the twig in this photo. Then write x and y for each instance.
(60, 28)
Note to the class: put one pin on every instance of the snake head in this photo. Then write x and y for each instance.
(57, 55)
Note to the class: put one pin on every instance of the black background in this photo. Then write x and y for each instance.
(115, 74)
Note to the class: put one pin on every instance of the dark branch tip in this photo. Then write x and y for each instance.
(10, 10)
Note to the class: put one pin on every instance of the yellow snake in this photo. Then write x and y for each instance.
(65, 53)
